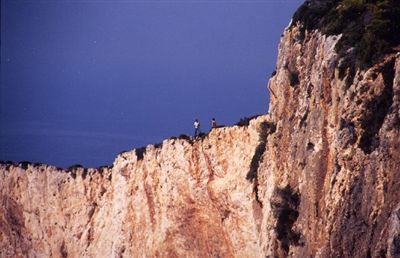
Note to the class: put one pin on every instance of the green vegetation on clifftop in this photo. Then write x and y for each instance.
(370, 28)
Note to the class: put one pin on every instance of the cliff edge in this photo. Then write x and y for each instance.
(319, 176)
(180, 199)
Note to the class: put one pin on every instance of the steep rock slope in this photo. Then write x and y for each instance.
(330, 176)
(183, 199)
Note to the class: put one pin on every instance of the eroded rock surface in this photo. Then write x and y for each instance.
(334, 161)
(183, 199)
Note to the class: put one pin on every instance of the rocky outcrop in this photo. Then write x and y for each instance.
(317, 177)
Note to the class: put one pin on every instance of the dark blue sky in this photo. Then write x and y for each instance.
(83, 80)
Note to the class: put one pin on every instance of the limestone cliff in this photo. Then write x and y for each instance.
(317, 177)
(330, 177)
(181, 199)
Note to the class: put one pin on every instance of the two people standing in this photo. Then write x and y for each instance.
(196, 125)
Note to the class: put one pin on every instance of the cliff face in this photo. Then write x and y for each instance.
(319, 176)
(330, 177)
(181, 200)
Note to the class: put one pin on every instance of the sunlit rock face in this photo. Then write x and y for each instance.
(182, 199)
(317, 177)
(330, 177)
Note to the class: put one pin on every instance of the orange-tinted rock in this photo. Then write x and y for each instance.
(336, 147)
(183, 199)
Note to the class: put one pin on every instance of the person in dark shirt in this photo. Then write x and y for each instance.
(213, 123)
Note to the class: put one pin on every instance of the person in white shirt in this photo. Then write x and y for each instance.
(196, 128)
